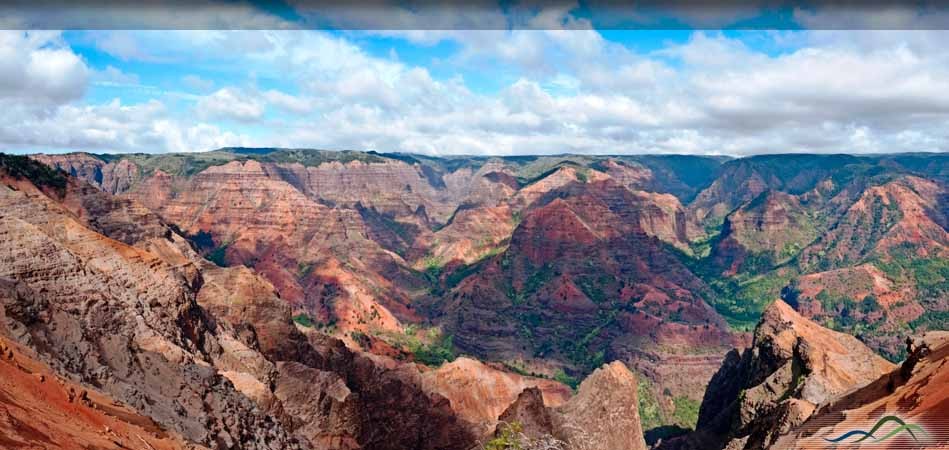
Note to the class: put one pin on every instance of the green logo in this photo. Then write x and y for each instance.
(910, 428)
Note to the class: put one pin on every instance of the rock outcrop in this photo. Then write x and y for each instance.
(604, 414)
(122, 319)
(901, 214)
(331, 396)
(112, 177)
(793, 366)
(480, 393)
(207, 352)
(915, 393)
(763, 233)
(40, 409)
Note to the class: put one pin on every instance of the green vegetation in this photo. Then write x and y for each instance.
(508, 439)
(931, 320)
(594, 287)
(432, 263)
(303, 269)
(311, 157)
(456, 276)
(562, 377)
(741, 301)
(649, 414)
(686, 412)
(40, 174)
(217, 256)
(929, 275)
(430, 347)
(432, 270)
(177, 164)
(190, 164)
(304, 320)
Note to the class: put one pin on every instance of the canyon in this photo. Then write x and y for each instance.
(281, 298)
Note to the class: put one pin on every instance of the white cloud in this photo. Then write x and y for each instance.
(288, 102)
(37, 67)
(568, 91)
(110, 127)
(114, 77)
(229, 103)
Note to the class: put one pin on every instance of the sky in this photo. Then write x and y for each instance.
(540, 80)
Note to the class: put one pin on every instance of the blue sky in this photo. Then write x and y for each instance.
(560, 81)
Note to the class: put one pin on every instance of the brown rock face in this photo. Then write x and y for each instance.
(793, 365)
(317, 257)
(531, 413)
(917, 394)
(112, 177)
(863, 293)
(207, 352)
(603, 415)
(471, 234)
(122, 319)
(480, 393)
(40, 409)
(327, 394)
(605, 411)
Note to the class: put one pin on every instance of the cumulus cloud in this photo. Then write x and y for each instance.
(288, 102)
(567, 89)
(39, 67)
(110, 127)
(228, 103)
(42, 84)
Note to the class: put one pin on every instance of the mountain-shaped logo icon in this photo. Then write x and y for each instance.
(915, 431)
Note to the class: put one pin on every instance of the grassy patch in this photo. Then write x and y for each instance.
(741, 302)
(649, 414)
(562, 377)
(431, 347)
(304, 320)
(686, 412)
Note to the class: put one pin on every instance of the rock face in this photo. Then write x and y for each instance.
(317, 257)
(603, 415)
(112, 177)
(210, 353)
(480, 393)
(792, 366)
(122, 319)
(915, 392)
(581, 282)
(548, 263)
(901, 213)
(765, 232)
(742, 180)
(40, 409)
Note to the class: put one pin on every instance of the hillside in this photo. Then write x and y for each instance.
(551, 265)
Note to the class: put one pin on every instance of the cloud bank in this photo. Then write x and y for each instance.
(569, 88)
